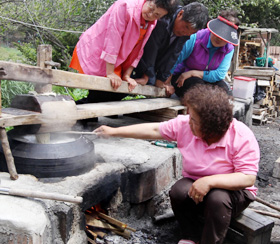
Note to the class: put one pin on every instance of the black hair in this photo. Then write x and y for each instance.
(196, 14)
(169, 5)
(230, 15)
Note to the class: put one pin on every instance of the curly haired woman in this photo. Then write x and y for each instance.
(220, 163)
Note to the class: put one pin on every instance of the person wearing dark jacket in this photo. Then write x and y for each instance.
(166, 42)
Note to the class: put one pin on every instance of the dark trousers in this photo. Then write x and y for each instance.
(208, 221)
(180, 91)
(101, 96)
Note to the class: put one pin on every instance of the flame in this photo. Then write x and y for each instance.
(98, 208)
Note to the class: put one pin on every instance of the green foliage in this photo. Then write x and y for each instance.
(75, 93)
(252, 13)
(11, 54)
(72, 15)
(12, 88)
(28, 51)
(133, 97)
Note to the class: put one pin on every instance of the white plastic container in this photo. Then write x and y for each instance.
(243, 87)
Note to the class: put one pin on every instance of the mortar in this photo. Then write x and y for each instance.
(41, 151)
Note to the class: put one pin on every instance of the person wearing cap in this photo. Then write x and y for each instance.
(206, 56)
(166, 42)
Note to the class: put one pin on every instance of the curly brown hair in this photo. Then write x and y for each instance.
(214, 108)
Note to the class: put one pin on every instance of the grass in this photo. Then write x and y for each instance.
(11, 88)
(11, 54)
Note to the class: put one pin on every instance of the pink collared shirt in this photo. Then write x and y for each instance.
(237, 151)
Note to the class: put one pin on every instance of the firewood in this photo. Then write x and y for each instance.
(91, 241)
(93, 234)
(266, 213)
(125, 233)
(113, 221)
(100, 233)
(91, 221)
(267, 204)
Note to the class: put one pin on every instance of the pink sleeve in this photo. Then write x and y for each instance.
(115, 28)
(246, 155)
(170, 129)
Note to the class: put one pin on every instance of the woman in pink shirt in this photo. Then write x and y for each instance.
(220, 163)
(113, 46)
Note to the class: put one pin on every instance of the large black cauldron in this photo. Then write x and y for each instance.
(63, 156)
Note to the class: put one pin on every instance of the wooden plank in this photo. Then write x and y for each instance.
(259, 111)
(160, 115)
(15, 117)
(252, 72)
(170, 112)
(263, 83)
(251, 222)
(123, 107)
(28, 73)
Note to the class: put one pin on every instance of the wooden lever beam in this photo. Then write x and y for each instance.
(29, 73)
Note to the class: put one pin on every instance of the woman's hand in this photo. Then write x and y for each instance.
(116, 81)
(131, 83)
(104, 131)
(169, 89)
(232, 182)
(199, 189)
(180, 81)
(186, 75)
(126, 77)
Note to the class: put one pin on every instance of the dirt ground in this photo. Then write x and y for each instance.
(167, 232)
(268, 136)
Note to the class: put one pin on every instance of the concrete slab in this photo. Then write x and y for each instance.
(23, 220)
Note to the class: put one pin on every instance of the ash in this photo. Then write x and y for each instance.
(167, 231)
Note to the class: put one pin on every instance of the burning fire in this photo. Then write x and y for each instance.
(99, 224)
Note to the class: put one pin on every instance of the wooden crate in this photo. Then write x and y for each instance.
(250, 228)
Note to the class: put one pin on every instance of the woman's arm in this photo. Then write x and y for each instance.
(233, 182)
(138, 131)
(126, 77)
(116, 81)
(186, 75)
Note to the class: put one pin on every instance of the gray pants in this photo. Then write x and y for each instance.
(208, 221)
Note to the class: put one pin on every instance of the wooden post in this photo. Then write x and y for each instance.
(6, 146)
(268, 36)
(44, 53)
(235, 62)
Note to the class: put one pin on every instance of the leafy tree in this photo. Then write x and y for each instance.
(73, 15)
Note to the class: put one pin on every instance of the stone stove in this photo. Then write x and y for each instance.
(133, 171)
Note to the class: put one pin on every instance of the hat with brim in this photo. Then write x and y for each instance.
(224, 29)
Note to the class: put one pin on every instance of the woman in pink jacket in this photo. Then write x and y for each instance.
(113, 46)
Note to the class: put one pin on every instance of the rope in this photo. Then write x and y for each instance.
(42, 27)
